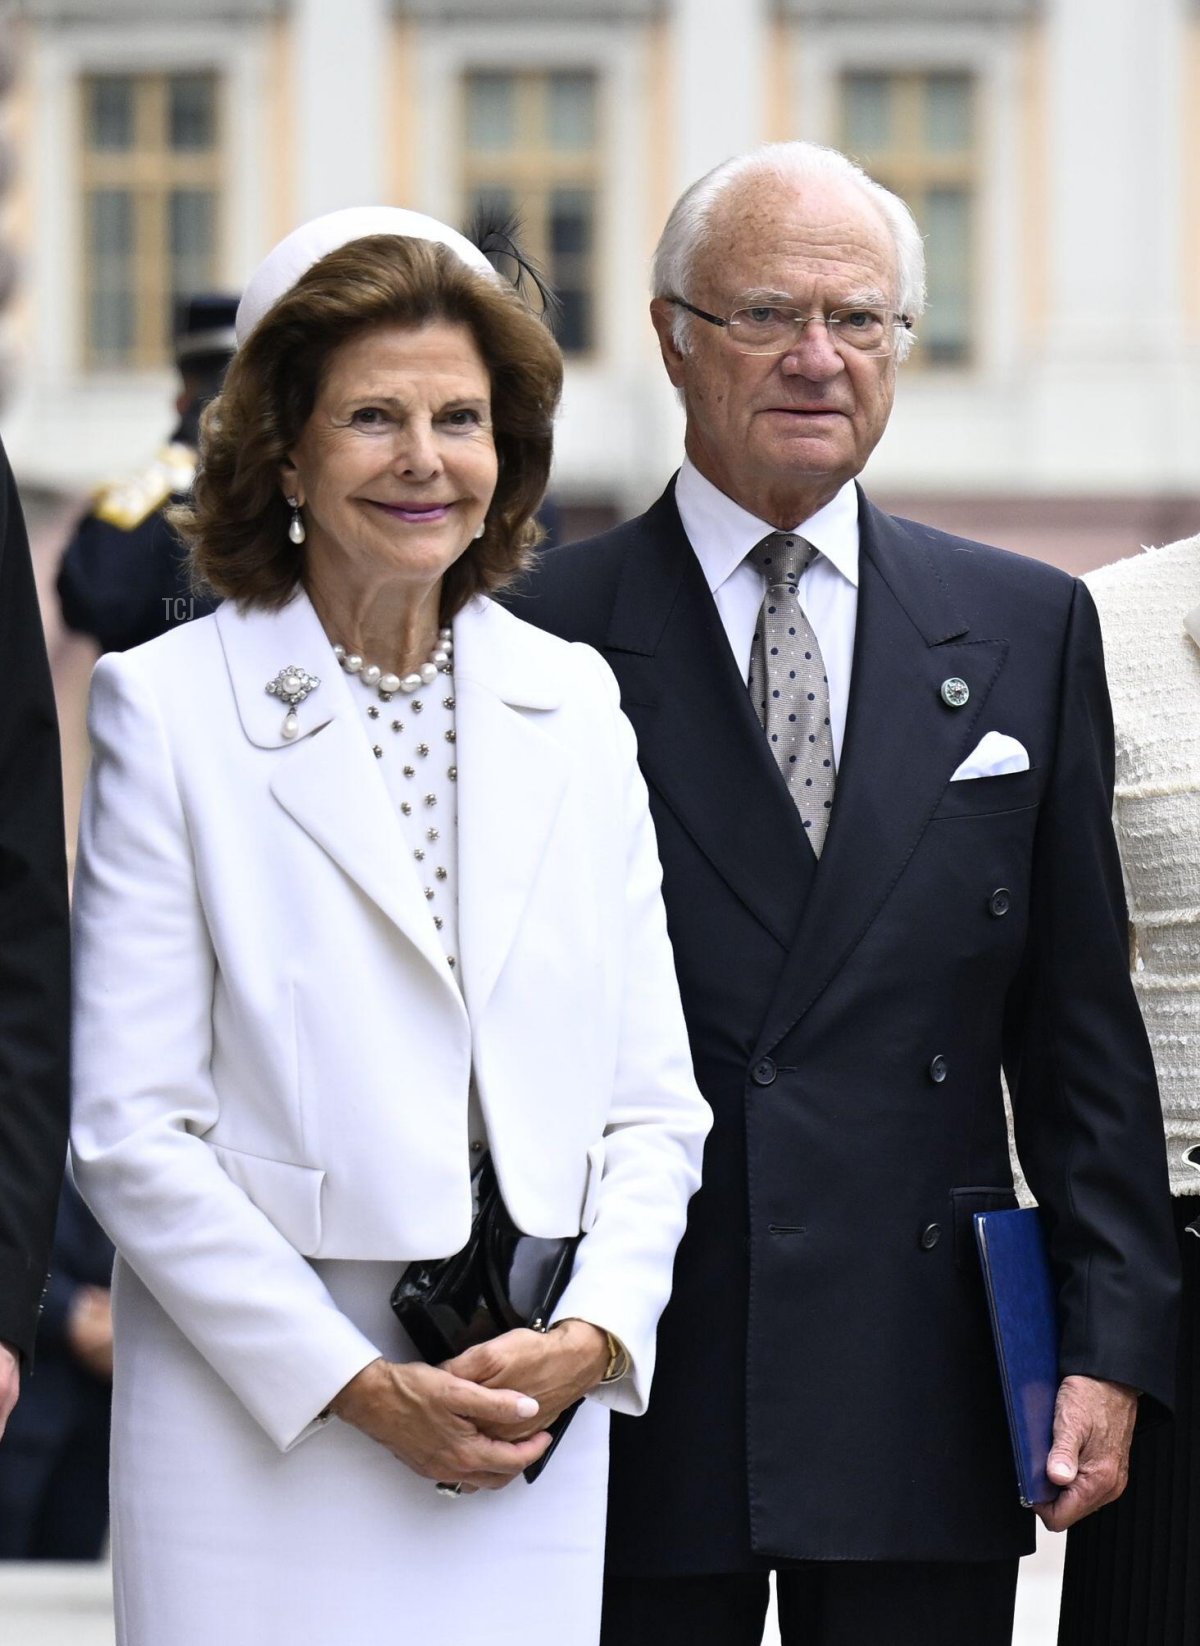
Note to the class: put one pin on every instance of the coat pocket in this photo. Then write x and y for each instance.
(290, 1196)
(986, 796)
(966, 1202)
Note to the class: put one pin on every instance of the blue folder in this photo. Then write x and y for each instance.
(1021, 1301)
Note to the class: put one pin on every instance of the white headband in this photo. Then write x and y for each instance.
(293, 256)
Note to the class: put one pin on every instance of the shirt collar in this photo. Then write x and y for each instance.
(722, 533)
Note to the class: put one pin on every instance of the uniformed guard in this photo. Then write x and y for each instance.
(124, 576)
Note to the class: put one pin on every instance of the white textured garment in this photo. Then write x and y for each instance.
(1154, 679)
(414, 739)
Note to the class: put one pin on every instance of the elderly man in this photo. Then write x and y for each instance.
(880, 759)
(33, 953)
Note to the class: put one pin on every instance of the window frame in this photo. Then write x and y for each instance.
(150, 171)
(532, 171)
(913, 171)
(1009, 259)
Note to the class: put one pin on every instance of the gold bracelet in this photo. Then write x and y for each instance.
(618, 1358)
(618, 1354)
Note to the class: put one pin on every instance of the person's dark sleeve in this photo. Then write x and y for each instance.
(82, 1255)
(1085, 1100)
(34, 1004)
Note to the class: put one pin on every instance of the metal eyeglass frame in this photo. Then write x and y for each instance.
(903, 321)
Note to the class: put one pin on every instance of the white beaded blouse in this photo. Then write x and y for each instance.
(412, 739)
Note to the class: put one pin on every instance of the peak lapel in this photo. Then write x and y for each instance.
(699, 741)
(512, 775)
(325, 779)
(902, 744)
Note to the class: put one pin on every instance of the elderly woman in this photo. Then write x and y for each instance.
(367, 887)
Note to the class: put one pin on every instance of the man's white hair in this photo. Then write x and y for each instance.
(686, 231)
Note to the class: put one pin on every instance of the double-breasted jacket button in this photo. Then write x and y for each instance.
(1000, 901)
(930, 1235)
(764, 1071)
(938, 1069)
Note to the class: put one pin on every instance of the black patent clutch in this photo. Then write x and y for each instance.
(500, 1280)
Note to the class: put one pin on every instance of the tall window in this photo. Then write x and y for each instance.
(151, 175)
(531, 146)
(916, 133)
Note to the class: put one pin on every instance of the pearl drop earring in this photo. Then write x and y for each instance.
(481, 530)
(296, 531)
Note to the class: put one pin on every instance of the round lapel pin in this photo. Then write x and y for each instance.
(955, 692)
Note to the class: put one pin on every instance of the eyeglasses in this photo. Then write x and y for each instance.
(773, 328)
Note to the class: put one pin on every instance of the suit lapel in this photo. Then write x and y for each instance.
(512, 776)
(902, 744)
(325, 779)
(700, 743)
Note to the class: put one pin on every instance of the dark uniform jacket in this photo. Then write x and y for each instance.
(826, 1384)
(124, 576)
(34, 1004)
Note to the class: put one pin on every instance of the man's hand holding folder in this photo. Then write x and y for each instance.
(1070, 1436)
(1089, 1459)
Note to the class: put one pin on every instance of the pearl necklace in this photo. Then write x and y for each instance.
(438, 662)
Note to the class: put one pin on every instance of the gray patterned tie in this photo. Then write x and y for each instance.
(788, 684)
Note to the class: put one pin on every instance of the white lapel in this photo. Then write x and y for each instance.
(511, 779)
(325, 779)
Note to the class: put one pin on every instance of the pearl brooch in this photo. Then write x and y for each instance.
(291, 686)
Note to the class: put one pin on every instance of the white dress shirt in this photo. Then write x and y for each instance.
(722, 534)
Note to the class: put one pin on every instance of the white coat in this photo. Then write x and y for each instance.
(271, 1054)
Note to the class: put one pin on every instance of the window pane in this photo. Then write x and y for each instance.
(868, 111)
(491, 112)
(110, 112)
(193, 113)
(945, 327)
(571, 114)
(570, 237)
(571, 212)
(111, 326)
(573, 328)
(110, 223)
(948, 113)
(192, 220)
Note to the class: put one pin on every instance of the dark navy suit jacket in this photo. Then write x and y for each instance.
(826, 1384)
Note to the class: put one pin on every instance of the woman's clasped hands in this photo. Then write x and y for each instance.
(483, 1417)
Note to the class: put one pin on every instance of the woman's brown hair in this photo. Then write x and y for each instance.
(237, 521)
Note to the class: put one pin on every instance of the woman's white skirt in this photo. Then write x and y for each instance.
(219, 1539)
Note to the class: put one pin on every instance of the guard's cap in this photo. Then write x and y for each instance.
(204, 325)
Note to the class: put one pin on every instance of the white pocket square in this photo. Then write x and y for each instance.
(993, 756)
